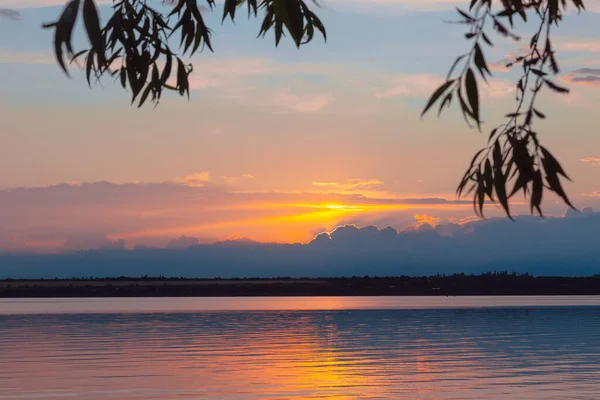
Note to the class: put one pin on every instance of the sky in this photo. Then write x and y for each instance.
(275, 144)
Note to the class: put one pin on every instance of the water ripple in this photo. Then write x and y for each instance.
(504, 353)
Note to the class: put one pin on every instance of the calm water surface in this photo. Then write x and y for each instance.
(298, 348)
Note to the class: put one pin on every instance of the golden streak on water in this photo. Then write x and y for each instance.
(342, 348)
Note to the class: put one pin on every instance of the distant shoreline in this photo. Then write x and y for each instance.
(492, 284)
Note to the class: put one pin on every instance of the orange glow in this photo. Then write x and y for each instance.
(332, 207)
(423, 219)
(286, 223)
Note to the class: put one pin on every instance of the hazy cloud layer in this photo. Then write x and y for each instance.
(352, 184)
(93, 215)
(422, 86)
(595, 194)
(579, 45)
(69, 217)
(183, 242)
(583, 76)
(569, 245)
(593, 161)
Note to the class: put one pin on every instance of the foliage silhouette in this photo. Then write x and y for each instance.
(134, 46)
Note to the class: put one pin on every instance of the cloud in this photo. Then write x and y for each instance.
(234, 179)
(498, 66)
(231, 72)
(593, 161)
(67, 217)
(53, 218)
(424, 219)
(324, 184)
(197, 179)
(509, 58)
(239, 79)
(302, 103)
(91, 240)
(182, 242)
(422, 86)
(595, 194)
(224, 72)
(406, 85)
(10, 14)
(352, 184)
(243, 80)
(583, 76)
(7, 57)
(578, 45)
(551, 246)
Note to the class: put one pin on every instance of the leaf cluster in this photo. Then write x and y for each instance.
(514, 161)
(135, 45)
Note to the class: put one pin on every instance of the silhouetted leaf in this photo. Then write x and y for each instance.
(92, 27)
(473, 94)
(123, 76)
(436, 95)
(553, 10)
(68, 23)
(229, 9)
(58, 52)
(520, 184)
(488, 176)
(554, 183)
(166, 72)
(445, 103)
(501, 29)
(499, 179)
(317, 22)
(486, 39)
(63, 32)
(538, 72)
(465, 15)
(144, 96)
(458, 59)
(480, 62)
(182, 79)
(89, 67)
(539, 114)
(77, 55)
(552, 162)
(295, 20)
(536, 192)
(178, 7)
(466, 111)
(555, 87)
(480, 200)
(134, 83)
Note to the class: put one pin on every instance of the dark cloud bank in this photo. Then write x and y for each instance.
(567, 246)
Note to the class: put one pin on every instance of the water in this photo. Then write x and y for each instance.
(298, 348)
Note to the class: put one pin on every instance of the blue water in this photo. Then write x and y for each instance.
(326, 348)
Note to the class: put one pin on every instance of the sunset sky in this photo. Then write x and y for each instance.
(274, 144)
